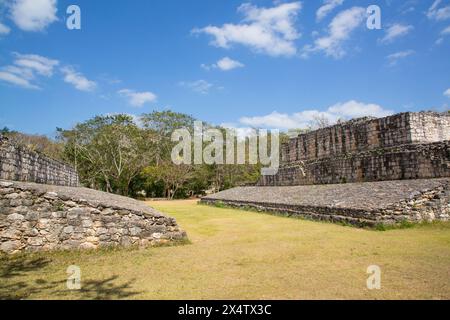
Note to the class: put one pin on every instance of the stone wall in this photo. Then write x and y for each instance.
(360, 204)
(364, 172)
(414, 161)
(368, 134)
(403, 146)
(35, 217)
(428, 127)
(20, 164)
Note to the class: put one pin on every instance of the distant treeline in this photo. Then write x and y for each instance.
(132, 156)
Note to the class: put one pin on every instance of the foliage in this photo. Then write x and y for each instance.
(108, 152)
(37, 143)
(114, 154)
(159, 127)
(132, 156)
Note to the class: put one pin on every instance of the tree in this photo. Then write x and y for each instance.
(5, 131)
(159, 127)
(37, 143)
(319, 122)
(114, 154)
(109, 151)
(174, 177)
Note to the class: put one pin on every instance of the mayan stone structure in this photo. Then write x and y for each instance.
(334, 173)
(404, 146)
(38, 217)
(20, 164)
(55, 214)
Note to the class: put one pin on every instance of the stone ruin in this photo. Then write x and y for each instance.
(366, 171)
(17, 163)
(404, 146)
(43, 209)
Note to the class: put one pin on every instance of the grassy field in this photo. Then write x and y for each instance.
(245, 255)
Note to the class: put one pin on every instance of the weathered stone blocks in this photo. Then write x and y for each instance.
(416, 161)
(330, 174)
(361, 204)
(51, 217)
(403, 146)
(20, 164)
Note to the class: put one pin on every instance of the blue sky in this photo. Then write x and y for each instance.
(258, 63)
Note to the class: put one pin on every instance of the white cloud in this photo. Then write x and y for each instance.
(79, 81)
(408, 10)
(438, 14)
(17, 80)
(395, 57)
(348, 110)
(39, 64)
(355, 109)
(396, 31)
(199, 86)
(24, 73)
(33, 15)
(328, 6)
(227, 64)
(110, 79)
(447, 93)
(241, 132)
(339, 31)
(26, 68)
(137, 99)
(444, 33)
(224, 64)
(277, 120)
(270, 31)
(4, 30)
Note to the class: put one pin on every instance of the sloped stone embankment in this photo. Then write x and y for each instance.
(35, 217)
(361, 204)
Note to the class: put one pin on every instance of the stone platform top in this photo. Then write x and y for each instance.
(90, 197)
(368, 196)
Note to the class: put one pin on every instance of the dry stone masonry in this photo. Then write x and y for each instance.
(37, 217)
(20, 164)
(55, 214)
(336, 172)
(362, 204)
(404, 146)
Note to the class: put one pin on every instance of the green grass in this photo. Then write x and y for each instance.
(378, 227)
(234, 254)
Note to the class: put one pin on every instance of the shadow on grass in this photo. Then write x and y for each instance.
(14, 284)
(106, 289)
(12, 271)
